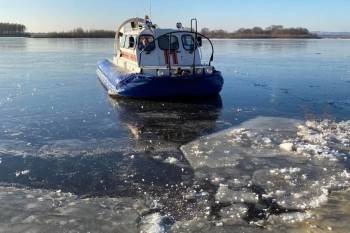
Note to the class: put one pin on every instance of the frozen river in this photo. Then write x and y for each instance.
(271, 153)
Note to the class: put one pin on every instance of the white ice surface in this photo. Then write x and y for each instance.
(234, 160)
(30, 210)
(25, 210)
(74, 147)
(294, 163)
(155, 223)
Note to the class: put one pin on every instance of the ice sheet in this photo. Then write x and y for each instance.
(287, 163)
(24, 210)
(243, 175)
(73, 147)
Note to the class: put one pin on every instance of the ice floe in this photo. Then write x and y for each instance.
(276, 164)
(156, 223)
(26, 210)
(265, 173)
(75, 147)
(33, 210)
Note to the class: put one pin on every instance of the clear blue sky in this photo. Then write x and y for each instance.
(230, 15)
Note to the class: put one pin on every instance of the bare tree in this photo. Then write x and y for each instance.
(12, 29)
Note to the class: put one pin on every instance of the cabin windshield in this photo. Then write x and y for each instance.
(187, 42)
(166, 40)
(145, 40)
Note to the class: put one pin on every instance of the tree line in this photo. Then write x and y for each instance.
(12, 29)
(274, 31)
(76, 33)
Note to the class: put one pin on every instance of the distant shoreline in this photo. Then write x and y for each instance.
(111, 34)
(16, 35)
(272, 32)
(35, 36)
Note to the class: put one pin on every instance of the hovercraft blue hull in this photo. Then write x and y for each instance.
(119, 83)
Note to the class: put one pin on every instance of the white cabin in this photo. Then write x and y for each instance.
(141, 47)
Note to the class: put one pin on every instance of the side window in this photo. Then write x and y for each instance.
(188, 42)
(165, 41)
(131, 43)
(146, 41)
(122, 41)
(127, 42)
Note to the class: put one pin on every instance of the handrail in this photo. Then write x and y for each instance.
(195, 43)
(174, 32)
(169, 49)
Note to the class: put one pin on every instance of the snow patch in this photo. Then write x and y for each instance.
(19, 173)
(156, 223)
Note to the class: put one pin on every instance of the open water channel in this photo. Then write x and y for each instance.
(270, 154)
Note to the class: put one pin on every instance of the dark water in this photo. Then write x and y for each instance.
(60, 131)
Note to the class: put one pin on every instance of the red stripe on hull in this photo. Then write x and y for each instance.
(173, 57)
(175, 61)
(166, 57)
(128, 56)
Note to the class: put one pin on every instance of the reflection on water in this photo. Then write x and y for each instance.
(9, 44)
(157, 129)
(148, 162)
(168, 121)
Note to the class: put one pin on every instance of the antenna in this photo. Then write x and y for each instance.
(150, 10)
